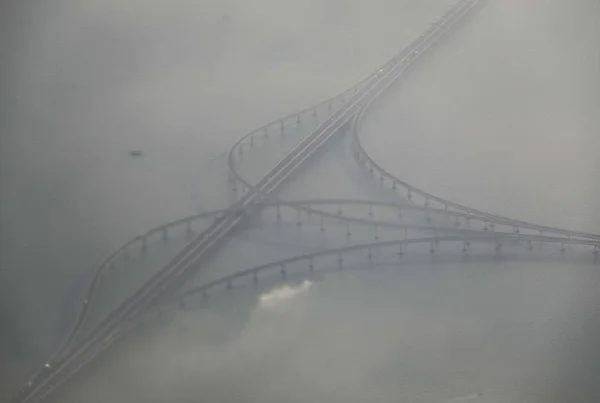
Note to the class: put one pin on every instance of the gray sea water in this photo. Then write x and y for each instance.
(503, 116)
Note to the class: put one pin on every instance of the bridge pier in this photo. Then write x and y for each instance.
(394, 186)
(370, 208)
(314, 113)
(529, 246)
(485, 226)
(329, 107)
(465, 247)
(311, 266)
(409, 194)
(165, 234)
(376, 232)
(426, 203)
(399, 214)
(340, 260)
(241, 149)
(321, 220)
(255, 277)
(266, 133)
(340, 212)
(492, 226)
(370, 254)
(299, 218)
(188, 228)
(429, 216)
(278, 212)
(457, 222)
(282, 128)
(400, 251)
(348, 233)
(144, 244)
(432, 250)
(221, 234)
(298, 120)
(283, 272)
(562, 248)
(252, 141)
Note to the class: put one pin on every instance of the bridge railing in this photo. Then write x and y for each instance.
(401, 57)
(185, 225)
(284, 268)
(140, 243)
(387, 219)
(160, 280)
(385, 78)
(386, 178)
(332, 104)
(164, 229)
(279, 125)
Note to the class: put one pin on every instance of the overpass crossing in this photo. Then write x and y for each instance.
(460, 224)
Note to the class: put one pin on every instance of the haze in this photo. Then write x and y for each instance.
(503, 116)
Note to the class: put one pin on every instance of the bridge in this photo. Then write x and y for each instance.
(415, 225)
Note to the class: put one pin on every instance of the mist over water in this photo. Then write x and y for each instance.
(503, 116)
(429, 333)
(89, 81)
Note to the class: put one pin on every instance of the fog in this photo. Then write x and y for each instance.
(505, 118)
(408, 333)
(502, 116)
